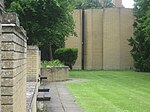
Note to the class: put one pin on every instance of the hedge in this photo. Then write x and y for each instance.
(67, 56)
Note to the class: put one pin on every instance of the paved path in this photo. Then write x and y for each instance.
(61, 99)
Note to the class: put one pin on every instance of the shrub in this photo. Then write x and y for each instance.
(53, 63)
(67, 56)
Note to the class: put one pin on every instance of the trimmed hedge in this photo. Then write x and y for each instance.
(67, 56)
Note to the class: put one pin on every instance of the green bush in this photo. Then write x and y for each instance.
(53, 63)
(67, 56)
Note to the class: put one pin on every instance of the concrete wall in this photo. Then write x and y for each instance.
(76, 42)
(93, 38)
(126, 31)
(14, 47)
(33, 63)
(117, 29)
(111, 38)
(106, 34)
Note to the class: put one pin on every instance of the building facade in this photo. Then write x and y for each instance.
(104, 45)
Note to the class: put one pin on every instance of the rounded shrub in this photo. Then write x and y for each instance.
(67, 56)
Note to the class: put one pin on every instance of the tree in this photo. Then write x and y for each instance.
(107, 4)
(87, 4)
(141, 41)
(47, 22)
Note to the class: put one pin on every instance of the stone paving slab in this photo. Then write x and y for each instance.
(61, 99)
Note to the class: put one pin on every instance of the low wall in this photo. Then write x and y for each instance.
(55, 73)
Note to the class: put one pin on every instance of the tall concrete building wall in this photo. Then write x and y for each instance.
(126, 31)
(13, 82)
(88, 40)
(111, 38)
(76, 42)
(106, 34)
(117, 52)
(93, 40)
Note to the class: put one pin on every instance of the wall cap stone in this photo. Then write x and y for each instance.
(10, 18)
(29, 47)
(6, 28)
(1, 4)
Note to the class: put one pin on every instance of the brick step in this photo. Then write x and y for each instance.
(41, 89)
(44, 96)
(42, 77)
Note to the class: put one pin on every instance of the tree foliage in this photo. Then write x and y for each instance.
(47, 22)
(141, 41)
(87, 4)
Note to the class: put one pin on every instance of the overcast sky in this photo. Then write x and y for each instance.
(128, 3)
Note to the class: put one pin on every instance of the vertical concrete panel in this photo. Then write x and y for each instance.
(88, 38)
(97, 42)
(76, 42)
(106, 34)
(111, 39)
(126, 21)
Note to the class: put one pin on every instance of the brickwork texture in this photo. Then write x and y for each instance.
(1, 10)
(14, 48)
(33, 63)
(55, 73)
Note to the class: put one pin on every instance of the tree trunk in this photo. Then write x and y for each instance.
(50, 53)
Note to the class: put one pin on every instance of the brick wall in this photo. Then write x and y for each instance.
(33, 63)
(54, 74)
(1, 9)
(14, 47)
(106, 34)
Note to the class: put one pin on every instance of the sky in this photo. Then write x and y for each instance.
(128, 3)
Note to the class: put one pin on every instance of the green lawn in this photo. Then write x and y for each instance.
(112, 91)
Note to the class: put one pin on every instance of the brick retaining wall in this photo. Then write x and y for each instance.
(14, 47)
(33, 63)
(55, 73)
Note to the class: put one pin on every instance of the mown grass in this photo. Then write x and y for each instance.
(112, 91)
